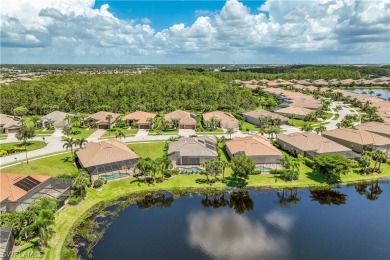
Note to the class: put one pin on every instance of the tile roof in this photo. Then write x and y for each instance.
(375, 127)
(220, 116)
(200, 146)
(308, 141)
(358, 136)
(7, 121)
(100, 116)
(139, 116)
(294, 110)
(9, 191)
(184, 117)
(110, 151)
(261, 112)
(252, 146)
(56, 116)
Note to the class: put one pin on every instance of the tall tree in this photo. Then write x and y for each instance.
(69, 142)
(25, 132)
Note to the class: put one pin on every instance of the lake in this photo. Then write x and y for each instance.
(349, 222)
(385, 93)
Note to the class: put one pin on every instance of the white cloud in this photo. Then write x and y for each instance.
(230, 236)
(283, 28)
(280, 220)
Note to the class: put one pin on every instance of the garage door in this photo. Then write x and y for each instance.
(12, 131)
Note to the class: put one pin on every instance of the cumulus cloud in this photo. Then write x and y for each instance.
(280, 220)
(224, 235)
(277, 29)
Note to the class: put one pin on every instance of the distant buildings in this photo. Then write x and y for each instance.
(223, 119)
(57, 118)
(142, 119)
(253, 116)
(185, 119)
(298, 112)
(101, 119)
(10, 124)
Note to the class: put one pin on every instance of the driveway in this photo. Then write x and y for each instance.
(142, 132)
(186, 132)
(96, 135)
(346, 110)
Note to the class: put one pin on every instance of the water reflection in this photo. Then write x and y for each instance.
(328, 197)
(240, 201)
(161, 200)
(287, 196)
(370, 190)
(224, 235)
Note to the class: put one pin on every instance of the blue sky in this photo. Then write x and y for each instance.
(259, 32)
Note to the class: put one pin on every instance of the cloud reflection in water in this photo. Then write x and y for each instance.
(225, 235)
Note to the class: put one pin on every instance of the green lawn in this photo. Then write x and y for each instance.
(336, 116)
(127, 132)
(245, 126)
(153, 150)
(299, 122)
(3, 136)
(31, 145)
(53, 165)
(84, 133)
(157, 132)
(328, 115)
(41, 132)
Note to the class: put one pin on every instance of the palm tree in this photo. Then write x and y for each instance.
(223, 165)
(81, 181)
(81, 142)
(365, 161)
(307, 128)
(230, 131)
(378, 156)
(371, 92)
(320, 129)
(214, 122)
(144, 165)
(69, 143)
(120, 134)
(109, 118)
(69, 118)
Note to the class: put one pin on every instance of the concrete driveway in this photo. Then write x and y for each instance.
(187, 132)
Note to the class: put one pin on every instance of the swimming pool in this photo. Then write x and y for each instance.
(263, 169)
(114, 176)
(190, 170)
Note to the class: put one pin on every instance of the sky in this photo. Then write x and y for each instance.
(195, 32)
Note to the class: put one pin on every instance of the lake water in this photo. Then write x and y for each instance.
(385, 93)
(350, 222)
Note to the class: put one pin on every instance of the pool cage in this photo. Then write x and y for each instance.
(6, 243)
(350, 155)
(54, 188)
(112, 168)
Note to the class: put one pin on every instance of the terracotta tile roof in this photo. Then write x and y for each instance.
(252, 146)
(139, 116)
(222, 117)
(294, 110)
(100, 116)
(375, 127)
(9, 191)
(196, 147)
(312, 142)
(184, 117)
(358, 136)
(7, 121)
(110, 151)
(261, 112)
(309, 105)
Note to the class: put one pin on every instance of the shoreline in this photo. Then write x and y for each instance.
(70, 217)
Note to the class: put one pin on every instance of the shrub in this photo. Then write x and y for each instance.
(308, 162)
(277, 171)
(289, 175)
(98, 183)
(74, 200)
(84, 126)
(3, 152)
(256, 172)
(75, 132)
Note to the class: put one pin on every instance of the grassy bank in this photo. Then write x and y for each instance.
(18, 147)
(112, 133)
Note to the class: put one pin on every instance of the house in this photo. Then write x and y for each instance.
(311, 144)
(101, 119)
(258, 148)
(192, 151)
(225, 120)
(299, 112)
(141, 118)
(186, 119)
(253, 116)
(377, 128)
(101, 158)
(307, 105)
(18, 191)
(57, 118)
(10, 124)
(358, 140)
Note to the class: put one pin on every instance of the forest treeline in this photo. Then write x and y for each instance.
(158, 92)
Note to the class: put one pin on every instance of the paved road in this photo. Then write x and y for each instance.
(55, 143)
